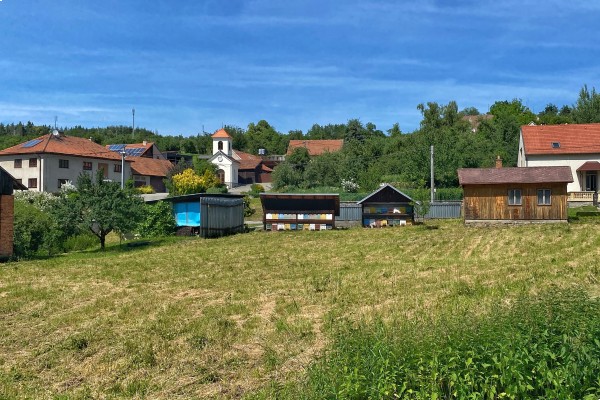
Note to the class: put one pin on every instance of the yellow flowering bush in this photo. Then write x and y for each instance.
(189, 182)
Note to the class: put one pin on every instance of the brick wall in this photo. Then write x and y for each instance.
(6, 225)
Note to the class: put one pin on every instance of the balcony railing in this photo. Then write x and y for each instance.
(581, 196)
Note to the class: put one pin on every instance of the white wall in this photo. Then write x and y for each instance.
(573, 160)
(226, 146)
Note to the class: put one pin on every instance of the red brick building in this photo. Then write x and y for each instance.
(7, 185)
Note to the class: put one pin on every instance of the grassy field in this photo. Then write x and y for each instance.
(242, 315)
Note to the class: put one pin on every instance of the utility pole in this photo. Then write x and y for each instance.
(132, 122)
(123, 168)
(432, 181)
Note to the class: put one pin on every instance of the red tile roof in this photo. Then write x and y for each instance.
(247, 161)
(490, 176)
(590, 166)
(316, 147)
(571, 139)
(149, 166)
(61, 144)
(221, 133)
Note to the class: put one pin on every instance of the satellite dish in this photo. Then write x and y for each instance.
(55, 132)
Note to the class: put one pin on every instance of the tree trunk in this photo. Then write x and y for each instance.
(102, 241)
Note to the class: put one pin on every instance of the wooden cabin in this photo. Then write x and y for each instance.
(522, 194)
(387, 206)
(7, 211)
(296, 212)
(208, 215)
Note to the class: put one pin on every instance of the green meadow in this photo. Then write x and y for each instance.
(432, 311)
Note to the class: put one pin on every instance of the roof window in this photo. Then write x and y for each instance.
(556, 145)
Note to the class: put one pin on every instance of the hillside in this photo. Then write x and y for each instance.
(223, 318)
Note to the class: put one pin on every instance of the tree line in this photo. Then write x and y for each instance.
(369, 155)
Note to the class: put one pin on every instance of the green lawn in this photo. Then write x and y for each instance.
(229, 317)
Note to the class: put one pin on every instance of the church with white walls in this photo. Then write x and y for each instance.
(223, 158)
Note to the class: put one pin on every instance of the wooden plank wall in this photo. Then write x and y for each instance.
(490, 202)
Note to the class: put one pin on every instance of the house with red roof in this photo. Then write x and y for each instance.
(574, 145)
(144, 149)
(316, 147)
(235, 167)
(49, 161)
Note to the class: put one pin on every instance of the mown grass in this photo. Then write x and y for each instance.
(248, 315)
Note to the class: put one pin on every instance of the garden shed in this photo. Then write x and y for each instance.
(7, 206)
(524, 194)
(387, 206)
(309, 212)
(208, 215)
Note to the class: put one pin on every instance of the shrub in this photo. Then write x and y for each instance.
(158, 220)
(256, 189)
(146, 189)
(217, 190)
(82, 241)
(31, 227)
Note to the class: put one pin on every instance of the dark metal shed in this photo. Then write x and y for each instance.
(209, 215)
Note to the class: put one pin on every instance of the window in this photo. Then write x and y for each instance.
(544, 197)
(32, 162)
(514, 197)
(117, 167)
(18, 163)
(220, 145)
(63, 163)
(32, 183)
(61, 182)
(87, 165)
(556, 145)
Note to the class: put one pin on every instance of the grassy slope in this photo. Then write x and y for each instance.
(220, 318)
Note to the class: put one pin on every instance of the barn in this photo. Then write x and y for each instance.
(522, 194)
(292, 212)
(7, 185)
(387, 206)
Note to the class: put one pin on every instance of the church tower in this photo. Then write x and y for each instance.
(222, 142)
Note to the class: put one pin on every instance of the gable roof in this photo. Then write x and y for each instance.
(221, 133)
(386, 187)
(571, 139)
(316, 147)
(150, 166)
(247, 160)
(490, 176)
(61, 144)
(8, 183)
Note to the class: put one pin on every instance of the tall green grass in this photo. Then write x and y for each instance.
(547, 346)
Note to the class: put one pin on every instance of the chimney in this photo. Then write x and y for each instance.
(498, 162)
(145, 143)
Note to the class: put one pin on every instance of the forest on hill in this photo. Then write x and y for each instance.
(462, 138)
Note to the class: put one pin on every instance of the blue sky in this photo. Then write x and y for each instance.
(188, 64)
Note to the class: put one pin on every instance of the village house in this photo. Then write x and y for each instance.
(316, 147)
(149, 167)
(574, 145)
(518, 194)
(46, 163)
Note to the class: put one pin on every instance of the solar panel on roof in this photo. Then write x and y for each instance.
(116, 147)
(31, 143)
(135, 152)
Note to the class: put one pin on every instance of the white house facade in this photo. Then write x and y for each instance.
(574, 145)
(48, 162)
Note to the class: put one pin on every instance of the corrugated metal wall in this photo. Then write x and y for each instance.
(350, 211)
(444, 209)
(221, 216)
